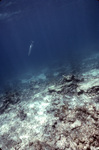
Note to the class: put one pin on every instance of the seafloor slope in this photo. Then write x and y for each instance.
(54, 110)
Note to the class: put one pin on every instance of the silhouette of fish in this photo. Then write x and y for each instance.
(30, 48)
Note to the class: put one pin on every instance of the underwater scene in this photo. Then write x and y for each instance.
(49, 74)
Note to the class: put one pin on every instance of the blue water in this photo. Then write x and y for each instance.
(66, 31)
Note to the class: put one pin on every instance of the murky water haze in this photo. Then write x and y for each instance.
(62, 31)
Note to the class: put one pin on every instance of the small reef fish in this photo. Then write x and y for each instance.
(30, 48)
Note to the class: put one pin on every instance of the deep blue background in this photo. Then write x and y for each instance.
(62, 30)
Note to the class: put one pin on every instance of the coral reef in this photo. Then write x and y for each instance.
(57, 112)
